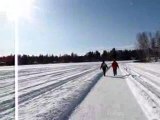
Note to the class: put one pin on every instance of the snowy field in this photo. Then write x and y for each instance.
(144, 82)
(7, 93)
(115, 101)
(52, 91)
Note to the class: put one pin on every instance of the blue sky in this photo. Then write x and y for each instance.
(65, 26)
(6, 37)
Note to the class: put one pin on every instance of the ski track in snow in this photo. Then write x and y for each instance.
(144, 81)
(51, 92)
(7, 93)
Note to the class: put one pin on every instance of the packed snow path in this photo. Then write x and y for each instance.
(110, 99)
(144, 82)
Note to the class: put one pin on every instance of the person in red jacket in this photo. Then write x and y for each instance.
(115, 66)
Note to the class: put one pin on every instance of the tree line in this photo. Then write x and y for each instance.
(91, 56)
(7, 60)
(147, 49)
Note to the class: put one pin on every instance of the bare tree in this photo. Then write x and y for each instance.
(158, 43)
(144, 45)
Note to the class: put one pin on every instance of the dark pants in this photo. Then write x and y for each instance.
(115, 72)
(104, 71)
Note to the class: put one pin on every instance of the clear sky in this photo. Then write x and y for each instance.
(6, 37)
(65, 26)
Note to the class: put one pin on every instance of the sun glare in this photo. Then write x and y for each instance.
(16, 9)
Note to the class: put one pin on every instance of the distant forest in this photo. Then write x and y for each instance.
(7, 60)
(88, 57)
(66, 58)
(147, 49)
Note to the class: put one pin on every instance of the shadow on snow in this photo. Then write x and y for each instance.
(118, 76)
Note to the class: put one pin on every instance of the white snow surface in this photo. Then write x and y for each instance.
(110, 99)
(7, 93)
(77, 91)
(144, 82)
(51, 92)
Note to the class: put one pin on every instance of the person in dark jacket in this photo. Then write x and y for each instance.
(104, 67)
(115, 66)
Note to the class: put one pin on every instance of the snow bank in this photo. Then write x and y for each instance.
(143, 81)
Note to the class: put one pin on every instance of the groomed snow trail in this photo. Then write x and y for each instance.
(110, 99)
(144, 82)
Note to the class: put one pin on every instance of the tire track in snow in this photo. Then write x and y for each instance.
(35, 93)
(148, 92)
(9, 104)
(55, 77)
(44, 73)
(48, 90)
(47, 78)
(146, 81)
(34, 71)
(7, 93)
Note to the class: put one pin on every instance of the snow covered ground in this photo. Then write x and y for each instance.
(6, 93)
(144, 82)
(57, 91)
(110, 99)
(113, 103)
(52, 91)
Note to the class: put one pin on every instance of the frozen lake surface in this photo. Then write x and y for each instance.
(7, 93)
(63, 91)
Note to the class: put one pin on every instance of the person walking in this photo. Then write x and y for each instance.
(115, 66)
(104, 67)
